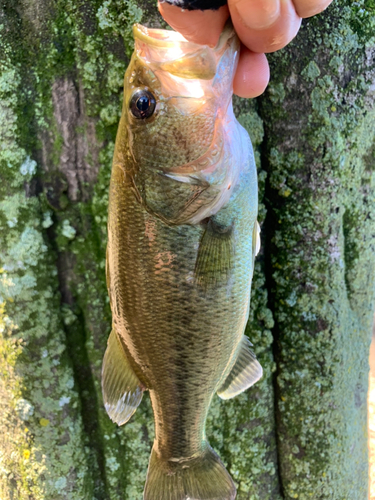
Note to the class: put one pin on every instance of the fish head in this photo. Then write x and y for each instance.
(176, 96)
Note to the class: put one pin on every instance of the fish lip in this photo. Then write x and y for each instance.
(159, 38)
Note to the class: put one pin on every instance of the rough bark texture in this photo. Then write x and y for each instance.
(300, 432)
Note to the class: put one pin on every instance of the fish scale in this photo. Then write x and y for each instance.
(180, 290)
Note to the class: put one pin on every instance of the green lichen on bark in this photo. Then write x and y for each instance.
(320, 246)
(42, 452)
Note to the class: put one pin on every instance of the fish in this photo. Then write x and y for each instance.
(182, 239)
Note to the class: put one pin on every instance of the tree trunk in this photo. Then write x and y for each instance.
(301, 431)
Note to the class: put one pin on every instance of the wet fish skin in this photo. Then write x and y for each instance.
(182, 236)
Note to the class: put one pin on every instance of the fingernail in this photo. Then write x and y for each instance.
(258, 14)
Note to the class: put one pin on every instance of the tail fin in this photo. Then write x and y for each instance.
(198, 478)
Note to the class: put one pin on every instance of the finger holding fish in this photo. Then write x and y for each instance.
(262, 26)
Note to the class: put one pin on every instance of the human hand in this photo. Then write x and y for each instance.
(263, 26)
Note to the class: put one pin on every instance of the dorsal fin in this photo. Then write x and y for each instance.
(122, 390)
(245, 372)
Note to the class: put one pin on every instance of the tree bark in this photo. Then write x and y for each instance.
(301, 431)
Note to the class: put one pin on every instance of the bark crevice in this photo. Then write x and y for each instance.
(270, 227)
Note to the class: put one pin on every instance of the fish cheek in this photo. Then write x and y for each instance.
(170, 139)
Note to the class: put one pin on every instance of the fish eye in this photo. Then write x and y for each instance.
(142, 104)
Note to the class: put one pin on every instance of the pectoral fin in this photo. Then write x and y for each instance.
(245, 372)
(122, 390)
(215, 255)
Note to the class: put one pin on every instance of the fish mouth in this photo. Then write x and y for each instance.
(169, 51)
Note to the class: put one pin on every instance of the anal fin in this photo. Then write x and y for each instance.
(245, 372)
(121, 388)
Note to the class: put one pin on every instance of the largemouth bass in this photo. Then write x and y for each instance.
(182, 237)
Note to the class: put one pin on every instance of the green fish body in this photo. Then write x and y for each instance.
(182, 237)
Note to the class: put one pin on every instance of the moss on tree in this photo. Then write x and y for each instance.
(318, 151)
